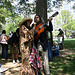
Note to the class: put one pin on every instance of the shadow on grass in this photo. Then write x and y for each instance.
(63, 65)
(69, 44)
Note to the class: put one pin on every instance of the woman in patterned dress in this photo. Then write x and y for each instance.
(26, 37)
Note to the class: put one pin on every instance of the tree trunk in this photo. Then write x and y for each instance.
(65, 34)
(41, 9)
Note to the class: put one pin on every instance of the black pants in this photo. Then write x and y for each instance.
(61, 46)
(4, 51)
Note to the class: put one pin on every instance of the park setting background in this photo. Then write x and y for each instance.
(13, 11)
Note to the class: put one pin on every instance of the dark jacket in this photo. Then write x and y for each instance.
(44, 36)
(15, 38)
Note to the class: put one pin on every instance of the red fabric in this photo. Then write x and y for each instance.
(34, 59)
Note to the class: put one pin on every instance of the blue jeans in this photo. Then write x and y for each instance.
(56, 53)
(4, 51)
(50, 53)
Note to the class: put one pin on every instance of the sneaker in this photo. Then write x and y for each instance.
(18, 61)
(13, 61)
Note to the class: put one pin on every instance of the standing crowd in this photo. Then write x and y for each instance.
(25, 42)
(11, 41)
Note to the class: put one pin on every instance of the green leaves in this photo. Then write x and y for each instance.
(3, 14)
(12, 23)
(9, 19)
(66, 21)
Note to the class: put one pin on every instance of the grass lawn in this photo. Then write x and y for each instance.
(69, 43)
(65, 64)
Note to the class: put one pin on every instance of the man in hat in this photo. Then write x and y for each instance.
(61, 39)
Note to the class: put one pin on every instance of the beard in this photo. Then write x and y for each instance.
(36, 21)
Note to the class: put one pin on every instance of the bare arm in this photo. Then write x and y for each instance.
(6, 38)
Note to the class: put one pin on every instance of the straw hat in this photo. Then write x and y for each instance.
(24, 20)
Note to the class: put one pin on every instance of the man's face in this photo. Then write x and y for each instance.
(36, 19)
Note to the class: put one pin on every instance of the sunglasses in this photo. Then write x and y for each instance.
(36, 17)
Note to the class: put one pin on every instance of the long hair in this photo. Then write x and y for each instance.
(39, 18)
(25, 23)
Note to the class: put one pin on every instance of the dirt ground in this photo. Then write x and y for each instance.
(13, 69)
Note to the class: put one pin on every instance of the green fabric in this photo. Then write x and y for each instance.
(61, 32)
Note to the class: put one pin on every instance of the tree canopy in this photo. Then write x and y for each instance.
(8, 16)
(66, 21)
(12, 11)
